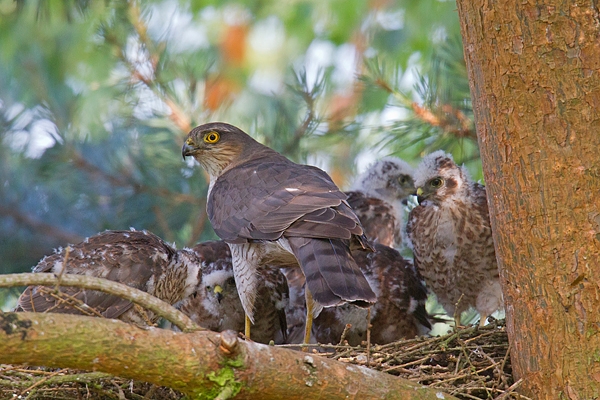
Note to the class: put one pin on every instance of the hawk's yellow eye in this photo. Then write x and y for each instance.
(211, 137)
(436, 182)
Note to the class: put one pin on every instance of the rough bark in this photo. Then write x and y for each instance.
(157, 306)
(534, 72)
(201, 364)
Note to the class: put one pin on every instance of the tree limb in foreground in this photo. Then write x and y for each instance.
(201, 364)
(157, 306)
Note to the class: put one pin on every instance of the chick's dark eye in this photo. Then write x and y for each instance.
(437, 182)
(402, 180)
(230, 281)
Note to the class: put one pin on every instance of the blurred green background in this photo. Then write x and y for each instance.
(97, 96)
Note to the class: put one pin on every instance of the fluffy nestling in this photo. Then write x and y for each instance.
(449, 232)
(138, 259)
(215, 304)
(376, 197)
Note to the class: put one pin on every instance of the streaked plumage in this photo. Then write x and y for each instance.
(399, 312)
(272, 211)
(216, 305)
(376, 197)
(138, 259)
(451, 238)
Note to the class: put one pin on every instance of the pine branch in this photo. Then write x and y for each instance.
(157, 306)
(179, 118)
(83, 164)
(200, 364)
(449, 119)
(198, 227)
(309, 96)
(38, 226)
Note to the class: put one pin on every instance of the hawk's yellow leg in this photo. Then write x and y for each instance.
(247, 328)
(482, 320)
(310, 306)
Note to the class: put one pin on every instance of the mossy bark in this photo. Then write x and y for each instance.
(534, 71)
(204, 365)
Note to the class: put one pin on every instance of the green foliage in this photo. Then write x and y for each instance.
(96, 97)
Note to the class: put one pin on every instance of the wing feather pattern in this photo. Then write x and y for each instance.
(104, 256)
(247, 203)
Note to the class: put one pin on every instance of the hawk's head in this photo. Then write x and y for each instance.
(216, 146)
(437, 177)
(390, 179)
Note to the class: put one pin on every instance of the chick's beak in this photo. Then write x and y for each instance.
(219, 293)
(419, 195)
(187, 149)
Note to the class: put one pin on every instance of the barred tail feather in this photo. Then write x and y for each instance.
(332, 275)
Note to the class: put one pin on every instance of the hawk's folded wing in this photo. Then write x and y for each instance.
(266, 199)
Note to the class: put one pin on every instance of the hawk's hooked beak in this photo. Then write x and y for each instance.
(419, 191)
(188, 149)
(219, 293)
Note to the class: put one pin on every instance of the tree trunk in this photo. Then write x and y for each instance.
(200, 364)
(534, 73)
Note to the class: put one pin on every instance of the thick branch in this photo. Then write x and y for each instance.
(157, 306)
(198, 363)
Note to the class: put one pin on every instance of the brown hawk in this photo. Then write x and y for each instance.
(216, 305)
(449, 232)
(399, 312)
(138, 259)
(376, 197)
(272, 211)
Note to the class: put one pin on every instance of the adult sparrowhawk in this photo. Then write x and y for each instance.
(272, 211)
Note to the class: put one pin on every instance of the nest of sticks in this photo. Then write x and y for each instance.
(469, 363)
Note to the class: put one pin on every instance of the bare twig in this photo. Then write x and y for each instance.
(64, 298)
(157, 306)
(510, 390)
(344, 333)
(368, 336)
(40, 382)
